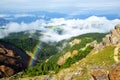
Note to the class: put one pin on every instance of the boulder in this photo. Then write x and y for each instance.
(100, 74)
(115, 72)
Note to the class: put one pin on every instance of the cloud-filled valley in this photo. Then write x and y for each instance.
(58, 29)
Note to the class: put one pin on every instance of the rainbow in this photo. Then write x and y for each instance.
(37, 49)
(36, 52)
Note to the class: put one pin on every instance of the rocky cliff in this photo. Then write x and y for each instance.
(12, 59)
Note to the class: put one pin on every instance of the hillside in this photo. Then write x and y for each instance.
(75, 44)
(81, 70)
(85, 57)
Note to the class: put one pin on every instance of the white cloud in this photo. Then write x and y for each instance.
(59, 28)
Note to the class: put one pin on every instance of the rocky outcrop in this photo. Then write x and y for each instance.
(12, 59)
(74, 42)
(113, 38)
(68, 54)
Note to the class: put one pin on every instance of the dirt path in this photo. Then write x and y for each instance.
(116, 52)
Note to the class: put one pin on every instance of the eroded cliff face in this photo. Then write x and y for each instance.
(12, 59)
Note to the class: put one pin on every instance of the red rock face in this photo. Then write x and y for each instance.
(8, 62)
(12, 60)
(6, 71)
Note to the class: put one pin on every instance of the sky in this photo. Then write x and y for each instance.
(63, 6)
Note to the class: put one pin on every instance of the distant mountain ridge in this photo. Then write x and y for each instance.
(28, 17)
(3, 22)
(31, 16)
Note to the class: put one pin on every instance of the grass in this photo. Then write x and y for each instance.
(102, 59)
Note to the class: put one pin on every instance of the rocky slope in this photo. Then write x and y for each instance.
(12, 59)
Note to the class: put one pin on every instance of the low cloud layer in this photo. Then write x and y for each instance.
(60, 28)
